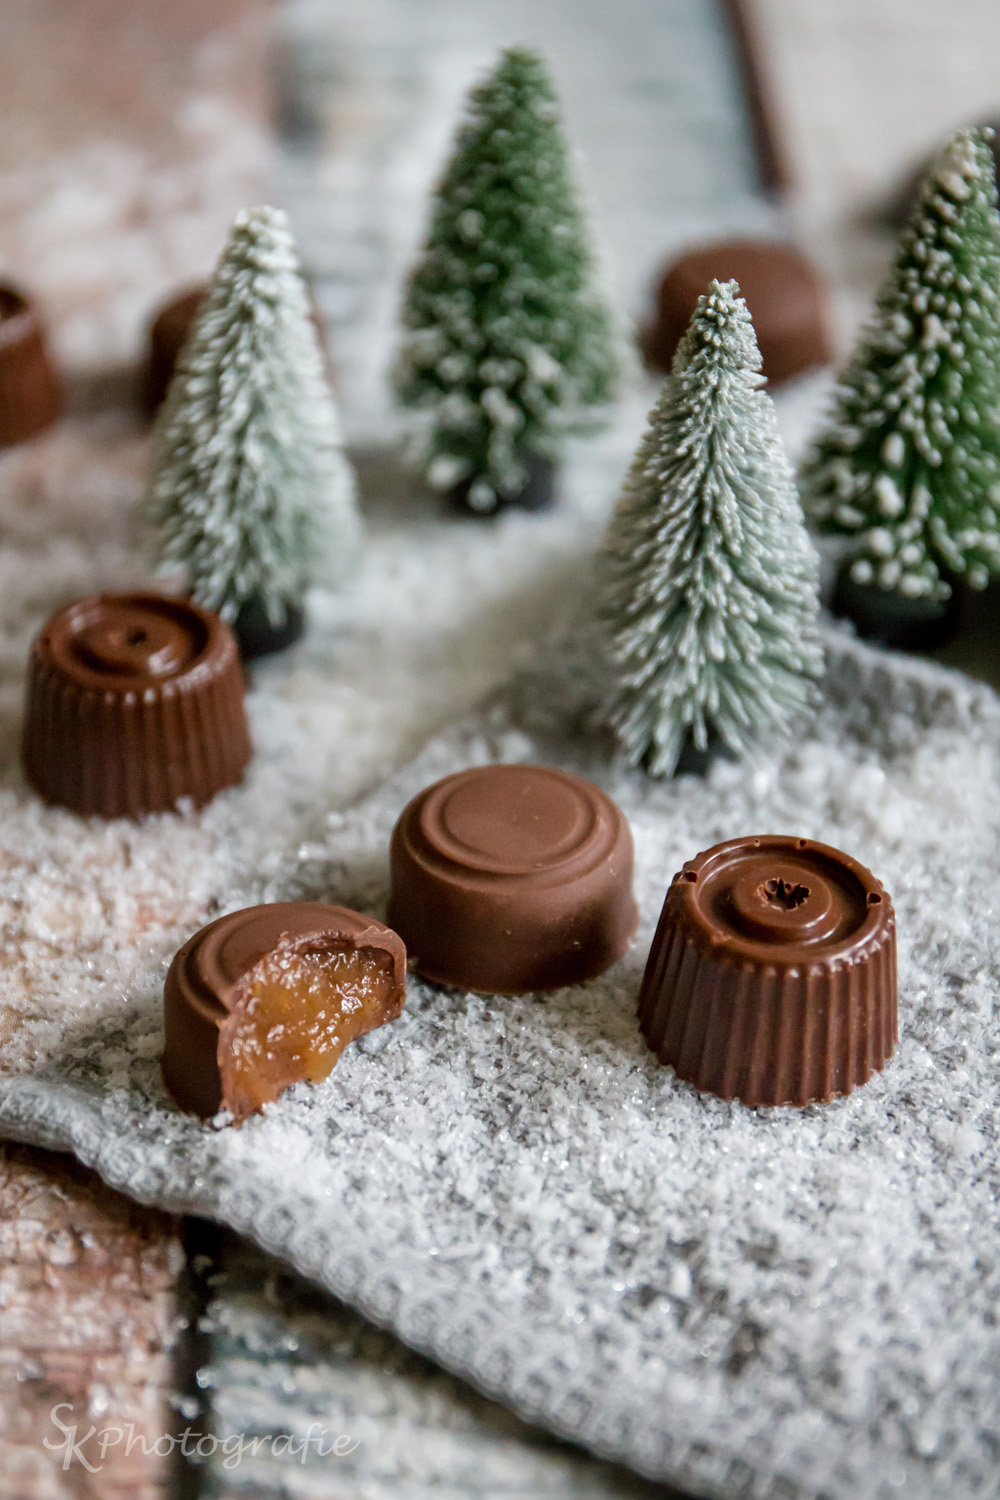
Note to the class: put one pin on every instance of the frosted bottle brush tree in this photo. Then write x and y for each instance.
(506, 339)
(708, 591)
(908, 469)
(251, 493)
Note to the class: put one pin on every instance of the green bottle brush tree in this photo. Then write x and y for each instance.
(708, 584)
(251, 494)
(907, 471)
(506, 340)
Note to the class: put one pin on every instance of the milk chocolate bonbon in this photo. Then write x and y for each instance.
(134, 701)
(168, 334)
(269, 996)
(512, 878)
(30, 392)
(772, 976)
(781, 288)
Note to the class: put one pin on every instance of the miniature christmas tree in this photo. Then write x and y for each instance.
(506, 341)
(251, 492)
(709, 583)
(909, 466)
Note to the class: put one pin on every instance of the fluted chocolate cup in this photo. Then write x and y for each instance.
(339, 974)
(512, 878)
(772, 976)
(134, 702)
(30, 392)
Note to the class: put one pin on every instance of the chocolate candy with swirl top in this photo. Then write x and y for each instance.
(135, 702)
(772, 976)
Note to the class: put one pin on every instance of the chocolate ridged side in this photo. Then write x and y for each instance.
(791, 1003)
(134, 702)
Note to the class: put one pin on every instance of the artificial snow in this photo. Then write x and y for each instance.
(795, 1302)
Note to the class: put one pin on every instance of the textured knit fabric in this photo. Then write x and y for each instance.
(750, 1303)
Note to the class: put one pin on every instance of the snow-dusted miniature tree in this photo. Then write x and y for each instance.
(251, 493)
(909, 466)
(708, 588)
(506, 340)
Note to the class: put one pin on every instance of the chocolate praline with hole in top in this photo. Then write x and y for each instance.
(134, 702)
(508, 879)
(270, 996)
(30, 392)
(772, 975)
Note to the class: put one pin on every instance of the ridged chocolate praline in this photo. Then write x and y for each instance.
(168, 333)
(772, 976)
(134, 702)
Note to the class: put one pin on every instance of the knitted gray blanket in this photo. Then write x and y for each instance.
(748, 1303)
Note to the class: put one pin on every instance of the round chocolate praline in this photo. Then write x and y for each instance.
(134, 702)
(512, 878)
(772, 976)
(203, 983)
(781, 288)
(30, 392)
(168, 333)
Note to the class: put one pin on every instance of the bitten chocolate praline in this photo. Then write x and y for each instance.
(512, 878)
(772, 976)
(134, 701)
(30, 392)
(268, 996)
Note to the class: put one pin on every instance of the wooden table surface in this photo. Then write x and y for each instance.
(155, 108)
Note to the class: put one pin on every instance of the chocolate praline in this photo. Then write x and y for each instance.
(782, 289)
(30, 392)
(168, 334)
(134, 702)
(208, 1002)
(512, 878)
(772, 975)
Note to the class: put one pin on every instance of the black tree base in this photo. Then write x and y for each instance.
(257, 635)
(536, 493)
(894, 619)
(693, 761)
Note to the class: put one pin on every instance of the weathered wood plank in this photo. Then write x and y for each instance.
(131, 134)
(87, 1323)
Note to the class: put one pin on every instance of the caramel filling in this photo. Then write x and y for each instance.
(296, 1012)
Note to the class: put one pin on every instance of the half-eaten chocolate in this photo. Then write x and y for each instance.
(270, 996)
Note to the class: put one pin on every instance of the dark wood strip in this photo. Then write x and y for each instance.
(772, 160)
